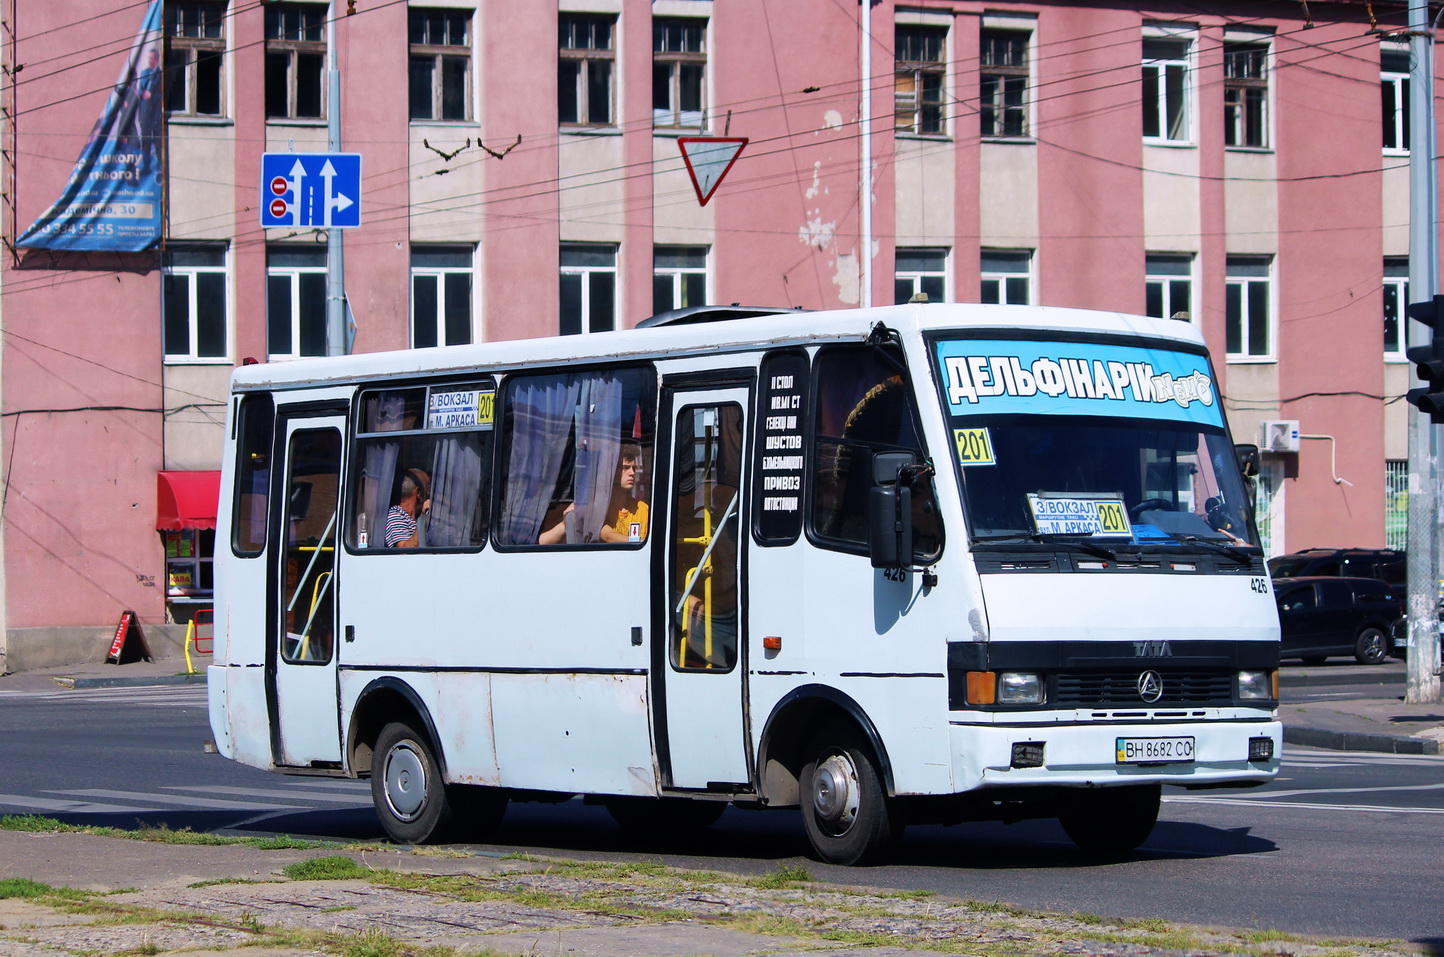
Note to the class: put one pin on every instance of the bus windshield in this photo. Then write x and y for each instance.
(1113, 443)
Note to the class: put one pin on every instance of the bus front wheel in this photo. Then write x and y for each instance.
(844, 807)
(406, 787)
(1112, 820)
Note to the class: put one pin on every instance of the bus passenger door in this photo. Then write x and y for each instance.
(700, 665)
(301, 654)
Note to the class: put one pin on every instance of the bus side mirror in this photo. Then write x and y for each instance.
(1247, 459)
(890, 511)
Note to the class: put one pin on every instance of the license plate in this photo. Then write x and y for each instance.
(1154, 750)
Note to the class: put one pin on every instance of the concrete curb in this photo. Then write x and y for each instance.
(129, 682)
(1359, 741)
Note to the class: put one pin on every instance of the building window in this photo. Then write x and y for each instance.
(193, 299)
(189, 560)
(1396, 297)
(1003, 99)
(295, 60)
(295, 302)
(584, 69)
(1245, 94)
(1169, 285)
(1394, 81)
(440, 296)
(1007, 276)
(1165, 89)
(679, 73)
(1246, 300)
(918, 85)
(1396, 503)
(679, 277)
(588, 288)
(195, 47)
(440, 64)
(921, 271)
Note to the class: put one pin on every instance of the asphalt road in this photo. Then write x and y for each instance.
(1341, 844)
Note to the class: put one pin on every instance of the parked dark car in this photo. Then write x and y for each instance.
(1385, 564)
(1321, 616)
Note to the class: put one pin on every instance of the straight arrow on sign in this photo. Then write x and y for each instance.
(708, 159)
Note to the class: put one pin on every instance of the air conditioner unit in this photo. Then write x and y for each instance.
(1278, 435)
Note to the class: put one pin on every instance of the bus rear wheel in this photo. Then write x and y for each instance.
(1112, 820)
(406, 787)
(844, 807)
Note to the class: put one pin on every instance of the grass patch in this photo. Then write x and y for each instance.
(786, 875)
(331, 868)
(39, 824)
(24, 888)
(227, 880)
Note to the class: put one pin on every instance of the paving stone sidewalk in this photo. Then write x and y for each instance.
(158, 898)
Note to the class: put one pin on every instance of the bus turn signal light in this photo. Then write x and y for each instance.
(772, 643)
(982, 687)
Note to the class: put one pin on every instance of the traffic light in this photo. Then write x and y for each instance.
(1430, 359)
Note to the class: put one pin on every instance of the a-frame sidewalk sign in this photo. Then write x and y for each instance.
(708, 159)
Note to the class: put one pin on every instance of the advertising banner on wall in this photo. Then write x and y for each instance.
(112, 201)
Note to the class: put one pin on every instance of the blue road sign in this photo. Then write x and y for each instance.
(321, 190)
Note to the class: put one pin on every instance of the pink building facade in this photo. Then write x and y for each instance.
(522, 177)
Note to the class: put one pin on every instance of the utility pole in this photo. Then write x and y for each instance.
(1422, 685)
(335, 244)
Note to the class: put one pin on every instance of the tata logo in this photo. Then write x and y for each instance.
(1152, 649)
(1150, 686)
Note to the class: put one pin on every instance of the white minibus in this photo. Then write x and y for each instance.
(915, 564)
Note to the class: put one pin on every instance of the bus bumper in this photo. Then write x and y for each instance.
(1111, 754)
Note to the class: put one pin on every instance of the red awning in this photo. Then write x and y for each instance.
(186, 500)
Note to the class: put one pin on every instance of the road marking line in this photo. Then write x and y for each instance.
(73, 807)
(266, 793)
(167, 799)
(1244, 802)
(1270, 795)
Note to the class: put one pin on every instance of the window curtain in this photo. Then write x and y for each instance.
(543, 409)
(599, 422)
(379, 466)
(455, 491)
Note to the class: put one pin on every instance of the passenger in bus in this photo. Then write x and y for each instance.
(404, 518)
(626, 515)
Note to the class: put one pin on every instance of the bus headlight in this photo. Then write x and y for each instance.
(1019, 687)
(1256, 686)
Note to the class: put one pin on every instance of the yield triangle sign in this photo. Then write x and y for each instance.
(708, 159)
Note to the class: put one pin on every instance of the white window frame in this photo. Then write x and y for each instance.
(917, 278)
(1396, 122)
(1165, 281)
(676, 275)
(586, 272)
(1005, 290)
(1245, 282)
(441, 274)
(1163, 99)
(183, 55)
(673, 117)
(293, 275)
(190, 272)
(1396, 296)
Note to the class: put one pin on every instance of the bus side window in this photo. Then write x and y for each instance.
(863, 405)
(566, 438)
(254, 442)
(422, 475)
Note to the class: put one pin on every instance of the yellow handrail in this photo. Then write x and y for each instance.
(322, 579)
(703, 568)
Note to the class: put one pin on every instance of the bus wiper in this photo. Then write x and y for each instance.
(1233, 550)
(1090, 548)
